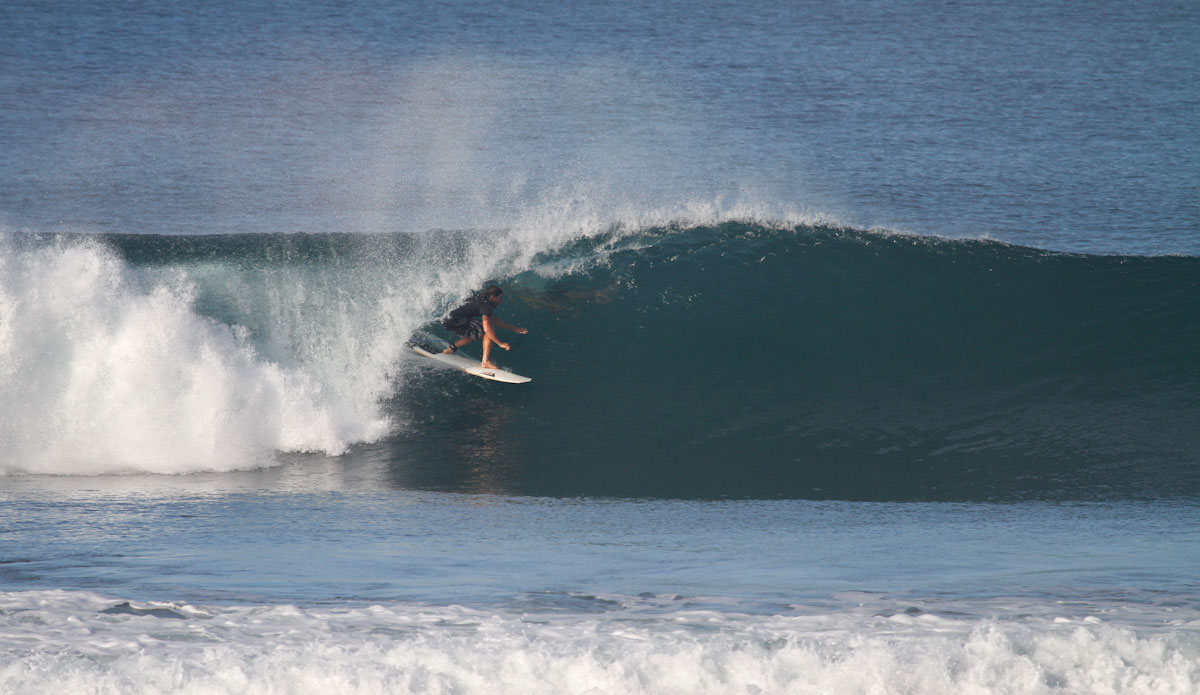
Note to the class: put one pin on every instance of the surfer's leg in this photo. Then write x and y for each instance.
(468, 333)
(461, 342)
(487, 351)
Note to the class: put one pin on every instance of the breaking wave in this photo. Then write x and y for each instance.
(730, 357)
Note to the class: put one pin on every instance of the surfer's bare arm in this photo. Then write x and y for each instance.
(509, 326)
(490, 332)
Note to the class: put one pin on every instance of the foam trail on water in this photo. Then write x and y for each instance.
(54, 642)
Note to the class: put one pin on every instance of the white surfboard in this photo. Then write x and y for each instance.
(470, 366)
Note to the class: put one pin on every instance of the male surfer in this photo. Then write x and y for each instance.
(475, 320)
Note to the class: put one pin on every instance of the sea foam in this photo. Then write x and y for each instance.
(103, 372)
(55, 642)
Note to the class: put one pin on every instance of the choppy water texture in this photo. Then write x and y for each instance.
(864, 341)
(1047, 124)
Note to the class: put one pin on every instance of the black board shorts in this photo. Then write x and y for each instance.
(471, 328)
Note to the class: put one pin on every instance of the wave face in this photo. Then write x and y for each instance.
(746, 361)
(733, 359)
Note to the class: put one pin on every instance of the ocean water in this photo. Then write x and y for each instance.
(864, 337)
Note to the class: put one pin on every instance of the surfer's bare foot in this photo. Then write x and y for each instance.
(488, 365)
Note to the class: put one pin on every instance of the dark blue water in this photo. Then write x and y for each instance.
(1045, 124)
(863, 341)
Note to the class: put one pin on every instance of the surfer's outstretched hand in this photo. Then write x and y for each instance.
(522, 331)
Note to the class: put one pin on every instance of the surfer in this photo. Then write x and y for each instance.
(474, 320)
